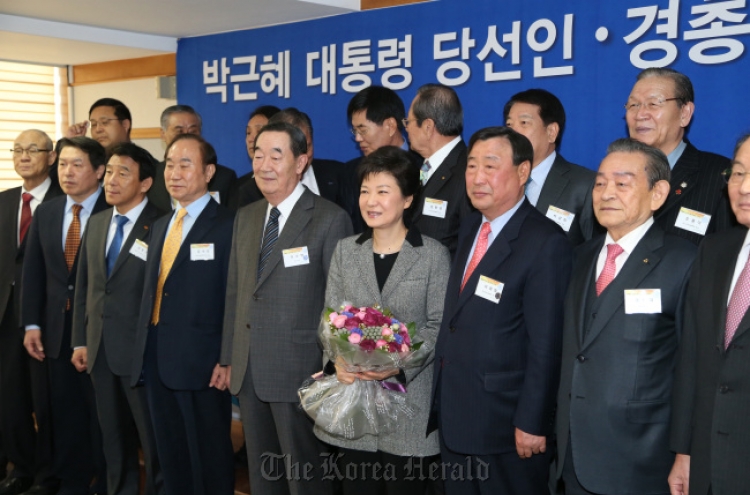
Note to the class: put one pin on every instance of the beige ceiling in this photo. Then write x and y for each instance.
(75, 32)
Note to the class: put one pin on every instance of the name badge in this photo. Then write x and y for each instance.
(215, 195)
(489, 289)
(642, 301)
(561, 217)
(296, 257)
(693, 221)
(139, 249)
(201, 252)
(435, 207)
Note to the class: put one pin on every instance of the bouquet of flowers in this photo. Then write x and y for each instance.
(362, 339)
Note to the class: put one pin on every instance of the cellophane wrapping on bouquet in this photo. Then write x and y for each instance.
(362, 339)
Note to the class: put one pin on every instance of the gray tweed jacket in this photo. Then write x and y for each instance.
(414, 292)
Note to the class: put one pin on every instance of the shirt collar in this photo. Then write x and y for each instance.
(286, 206)
(196, 207)
(497, 225)
(440, 155)
(87, 204)
(540, 172)
(629, 241)
(39, 191)
(133, 213)
(676, 154)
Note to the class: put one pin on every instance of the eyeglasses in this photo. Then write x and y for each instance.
(361, 131)
(406, 121)
(732, 176)
(104, 122)
(651, 105)
(31, 150)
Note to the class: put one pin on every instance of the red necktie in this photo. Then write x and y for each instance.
(479, 251)
(25, 216)
(738, 303)
(608, 273)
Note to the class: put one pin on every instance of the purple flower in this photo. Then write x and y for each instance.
(393, 347)
(367, 344)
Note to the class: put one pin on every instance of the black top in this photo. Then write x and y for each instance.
(383, 265)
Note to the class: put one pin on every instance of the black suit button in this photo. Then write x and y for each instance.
(581, 358)
(107, 291)
(166, 294)
(593, 316)
(255, 298)
(248, 326)
(453, 329)
(70, 287)
(723, 389)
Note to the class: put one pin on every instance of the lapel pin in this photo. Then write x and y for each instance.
(678, 191)
(442, 178)
(684, 184)
(645, 260)
(145, 227)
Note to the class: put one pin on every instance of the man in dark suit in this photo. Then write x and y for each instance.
(275, 295)
(244, 189)
(49, 282)
(376, 115)
(623, 322)
(711, 400)
(434, 125)
(497, 357)
(178, 337)
(106, 306)
(557, 188)
(24, 393)
(183, 119)
(658, 112)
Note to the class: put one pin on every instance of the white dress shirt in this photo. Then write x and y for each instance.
(538, 177)
(439, 157)
(37, 194)
(87, 206)
(285, 207)
(132, 215)
(628, 242)
(308, 179)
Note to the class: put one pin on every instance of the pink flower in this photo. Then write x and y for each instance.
(361, 315)
(404, 348)
(351, 323)
(355, 338)
(405, 336)
(386, 332)
(348, 308)
(367, 344)
(403, 328)
(380, 343)
(339, 321)
(332, 316)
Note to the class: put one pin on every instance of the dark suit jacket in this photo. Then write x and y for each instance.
(221, 182)
(712, 385)
(192, 307)
(568, 186)
(47, 283)
(617, 368)
(497, 365)
(11, 253)
(106, 308)
(704, 191)
(271, 325)
(447, 183)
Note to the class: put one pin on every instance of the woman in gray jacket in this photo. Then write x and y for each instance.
(399, 269)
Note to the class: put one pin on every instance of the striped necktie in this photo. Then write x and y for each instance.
(270, 237)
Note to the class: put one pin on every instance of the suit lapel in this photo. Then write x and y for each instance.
(9, 213)
(554, 185)
(580, 283)
(298, 219)
(57, 214)
(640, 263)
(363, 260)
(404, 262)
(684, 172)
(139, 231)
(442, 175)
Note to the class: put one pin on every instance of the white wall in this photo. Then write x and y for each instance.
(139, 95)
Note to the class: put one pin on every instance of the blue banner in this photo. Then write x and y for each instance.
(588, 53)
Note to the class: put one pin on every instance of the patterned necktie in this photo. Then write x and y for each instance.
(738, 303)
(168, 255)
(114, 248)
(269, 239)
(25, 216)
(479, 250)
(73, 239)
(423, 172)
(608, 272)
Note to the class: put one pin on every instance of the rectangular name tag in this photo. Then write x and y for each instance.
(296, 257)
(435, 207)
(642, 301)
(139, 249)
(201, 252)
(561, 217)
(693, 221)
(489, 289)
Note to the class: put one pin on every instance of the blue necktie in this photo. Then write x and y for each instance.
(269, 239)
(114, 248)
